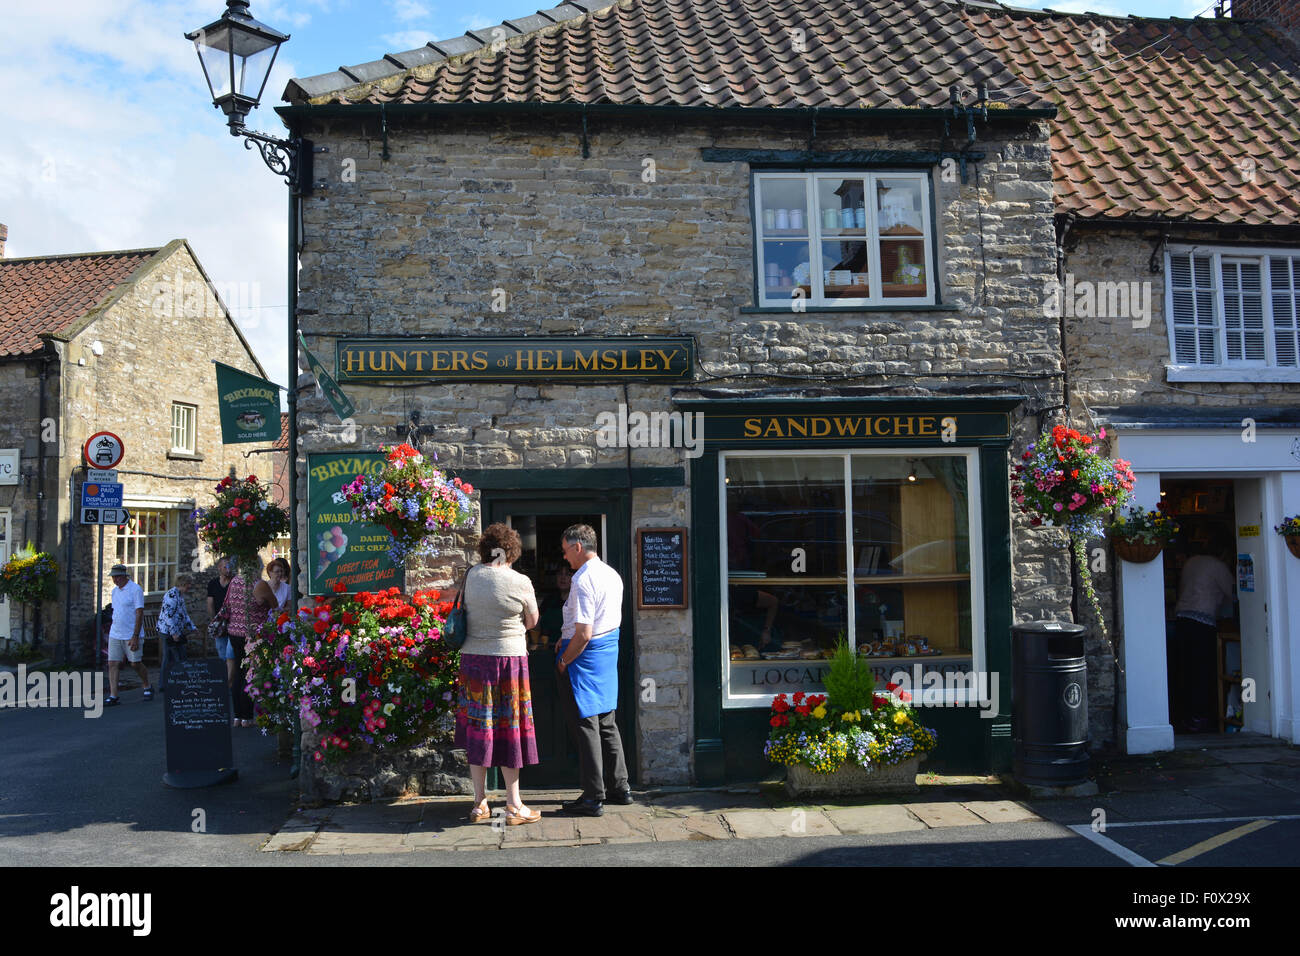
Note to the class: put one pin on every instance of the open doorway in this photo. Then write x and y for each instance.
(1204, 572)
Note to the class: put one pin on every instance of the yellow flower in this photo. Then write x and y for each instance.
(901, 719)
(820, 711)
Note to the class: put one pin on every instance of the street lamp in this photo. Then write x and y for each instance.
(237, 53)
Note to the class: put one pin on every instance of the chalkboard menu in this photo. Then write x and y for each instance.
(197, 729)
(661, 568)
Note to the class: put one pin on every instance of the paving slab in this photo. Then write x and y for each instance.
(758, 824)
(289, 841)
(885, 818)
(621, 826)
(697, 827)
(548, 828)
(1239, 801)
(471, 834)
(935, 815)
(1278, 775)
(1279, 755)
(1162, 805)
(704, 801)
(1001, 811)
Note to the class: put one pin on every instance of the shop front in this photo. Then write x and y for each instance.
(881, 522)
(1228, 484)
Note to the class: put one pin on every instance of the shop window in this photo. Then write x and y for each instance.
(184, 423)
(843, 239)
(149, 545)
(873, 548)
(1233, 314)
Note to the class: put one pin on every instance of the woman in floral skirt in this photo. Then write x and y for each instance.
(494, 719)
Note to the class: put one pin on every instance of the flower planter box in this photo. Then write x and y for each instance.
(1136, 551)
(852, 780)
(1293, 544)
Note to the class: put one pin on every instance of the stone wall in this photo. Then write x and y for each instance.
(20, 428)
(419, 245)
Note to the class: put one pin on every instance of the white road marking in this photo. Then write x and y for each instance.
(1106, 843)
(1168, 823)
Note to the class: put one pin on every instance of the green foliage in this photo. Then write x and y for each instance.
(850, 682)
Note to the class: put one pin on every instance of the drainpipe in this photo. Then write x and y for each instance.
(46, 358)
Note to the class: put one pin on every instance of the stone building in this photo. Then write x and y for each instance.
(803, 238)
(122, 342)
(1176, 165)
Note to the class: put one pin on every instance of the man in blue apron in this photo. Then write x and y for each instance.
(587, 659)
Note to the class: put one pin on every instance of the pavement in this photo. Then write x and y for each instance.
(1207, 784)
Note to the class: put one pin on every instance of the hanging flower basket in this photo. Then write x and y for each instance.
(412, 500)
(1135, 552)
(1290, 530)
(1063, 479)
(242, 522)
(1138, 535)
(30, 576)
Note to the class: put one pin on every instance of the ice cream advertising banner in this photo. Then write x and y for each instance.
(250, 407)
(339, 548)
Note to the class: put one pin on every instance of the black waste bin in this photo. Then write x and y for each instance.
(1049, 703)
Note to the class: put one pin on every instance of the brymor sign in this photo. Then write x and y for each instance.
(548, 358)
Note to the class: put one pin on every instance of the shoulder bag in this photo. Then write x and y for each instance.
(456, 629)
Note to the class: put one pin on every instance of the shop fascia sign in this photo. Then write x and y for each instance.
(540, 358)
(937, 427)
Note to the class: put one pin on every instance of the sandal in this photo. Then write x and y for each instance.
(480, 813)
(514, 819)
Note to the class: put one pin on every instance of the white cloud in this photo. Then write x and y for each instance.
(478, 22)
(122, 149)
(407, 10)
(407, 40)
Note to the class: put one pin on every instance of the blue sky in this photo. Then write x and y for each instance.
(111, 140)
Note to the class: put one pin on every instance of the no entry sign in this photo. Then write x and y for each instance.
(103, 450)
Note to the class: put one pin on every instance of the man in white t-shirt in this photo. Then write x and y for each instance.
(587, 659)
(125, 635)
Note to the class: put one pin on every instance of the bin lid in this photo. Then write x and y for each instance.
(1048, 627)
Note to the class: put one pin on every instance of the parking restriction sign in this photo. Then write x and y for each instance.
(103, 450)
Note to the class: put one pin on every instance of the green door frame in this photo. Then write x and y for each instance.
(500, 491)
(718, 732)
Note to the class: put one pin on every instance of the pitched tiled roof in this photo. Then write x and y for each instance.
(282, 443)
(1195, 119)
(47, 294)
(702, 53)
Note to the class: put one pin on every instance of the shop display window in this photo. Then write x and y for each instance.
(874, 548)
(843, 239)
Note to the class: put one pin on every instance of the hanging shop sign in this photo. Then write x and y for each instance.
(250, 406)
(549, 358)
(341, 404)
(338, 547)
(892, 427)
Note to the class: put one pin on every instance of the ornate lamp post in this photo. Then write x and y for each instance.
(237, 53)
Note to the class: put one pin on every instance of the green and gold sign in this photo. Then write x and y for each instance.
(339, 548)
(544, 358)
(250, 407)
(833, 427)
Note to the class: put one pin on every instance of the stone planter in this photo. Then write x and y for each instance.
(1136, 551)
(436, 767)
(852, 780)
(1293, 544)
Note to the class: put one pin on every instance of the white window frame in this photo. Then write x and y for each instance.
(814, 238)
(1223, 369)
(192, 433)
(951, 698)
(155, 549)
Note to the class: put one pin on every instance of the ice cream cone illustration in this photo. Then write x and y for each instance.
(333, 542)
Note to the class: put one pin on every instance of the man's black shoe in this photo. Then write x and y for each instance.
(583, 807)
(621, 797)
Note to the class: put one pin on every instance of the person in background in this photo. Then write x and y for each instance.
(174, 626)
(494, 713)
(217, 589)
(551, 623)
(278, 572)
(1204, 585)
(251, 601)
(587, 660)
(126, 632)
